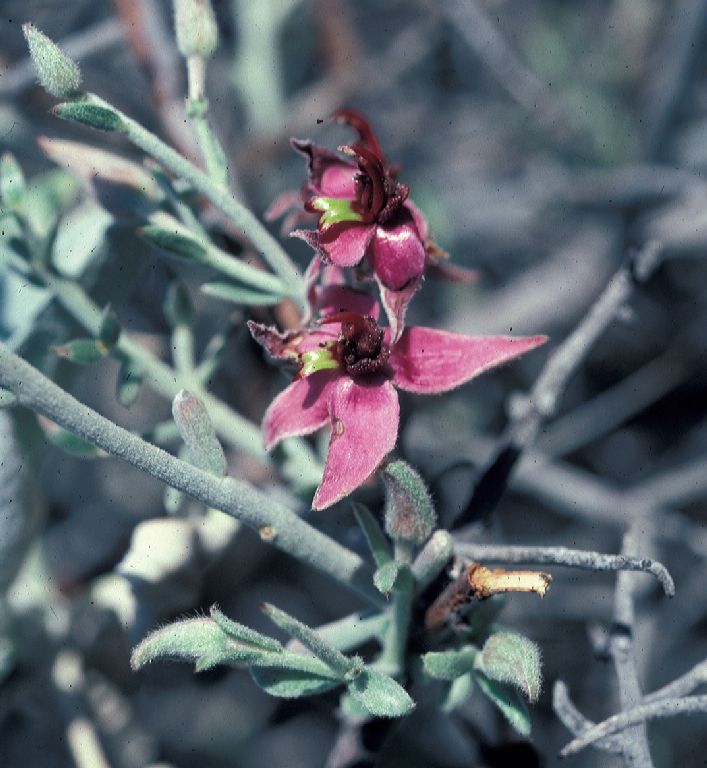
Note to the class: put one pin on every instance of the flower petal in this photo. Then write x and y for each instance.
(329, 174)
(396, 303)
(397, 253)
(419, 219)
(340, 298)
(364, 428)
(300, 409)
(430, 361)
(346, 244)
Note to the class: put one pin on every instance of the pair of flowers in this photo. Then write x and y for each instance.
(349, 367)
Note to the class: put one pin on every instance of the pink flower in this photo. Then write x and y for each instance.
(349, 369)
(365, 215)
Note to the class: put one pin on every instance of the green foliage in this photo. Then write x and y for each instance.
(409, 512)
(448, 665)
(12, 183)
(380, 695)
(389, 575)
(334, 659)
(293, 684)
(197, 431)
(71, 443)
(57, 73)
(93, 115)
(196, 28)
(511, 658)
(128, 383)
(177, 243)
(377, 542)
(506, 698)
(243, 295)
(459, 691)
(82, 351)
(110, 330)
(243, 633)
(178, 307)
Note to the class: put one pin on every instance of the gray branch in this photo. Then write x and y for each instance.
(544, 397)
(681, 686)
(287, 531)
(690, 705)
(572, 558)
(576, 722)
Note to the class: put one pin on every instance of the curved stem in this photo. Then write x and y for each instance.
(284, 528)
(219, 195)
(231, 426)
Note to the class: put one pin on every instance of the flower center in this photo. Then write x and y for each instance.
(378, 195)
(360, 346)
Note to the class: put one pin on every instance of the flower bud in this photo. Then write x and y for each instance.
(409, 512)
(92, 115)
(195, 24)
(57, 73)
(198, 433)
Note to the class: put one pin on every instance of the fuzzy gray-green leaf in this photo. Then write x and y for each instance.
(12, 182)
(92, 115)
(448, 665)
(243, 633)
(458, 692)
(199, 640)
(380, 695)
(409, 512)
(511, 658)
(507, 699)
(386, 576)
(57, 73)
(198, 432)
(291, 684)
(377, 543)
(334, 659)
(244, 295)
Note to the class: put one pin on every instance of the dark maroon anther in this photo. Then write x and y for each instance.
(360, 346)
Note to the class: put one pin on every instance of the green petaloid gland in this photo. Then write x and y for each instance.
(409, 512)
(334, 210)
(58, 74)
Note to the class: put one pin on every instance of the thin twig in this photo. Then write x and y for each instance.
(681, 686)
(678, 485)
(576, 722)
(239, 499)
(678, 46)
(572, 558)
(525, 88)
(617, 404)
(689, 705)
(621, 649)
(544, 397)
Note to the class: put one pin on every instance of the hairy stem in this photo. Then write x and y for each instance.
(286, 530)
(233, 428)
(242, 217)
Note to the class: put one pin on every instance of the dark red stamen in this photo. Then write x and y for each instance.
(359, 123)
(360, 347)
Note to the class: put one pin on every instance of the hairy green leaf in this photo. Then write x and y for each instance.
(57, 73)
(448, 665)
(511, 658)
(92, 115)
(409, 512)
(245, 295)
(508, 701)
(380, 695)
